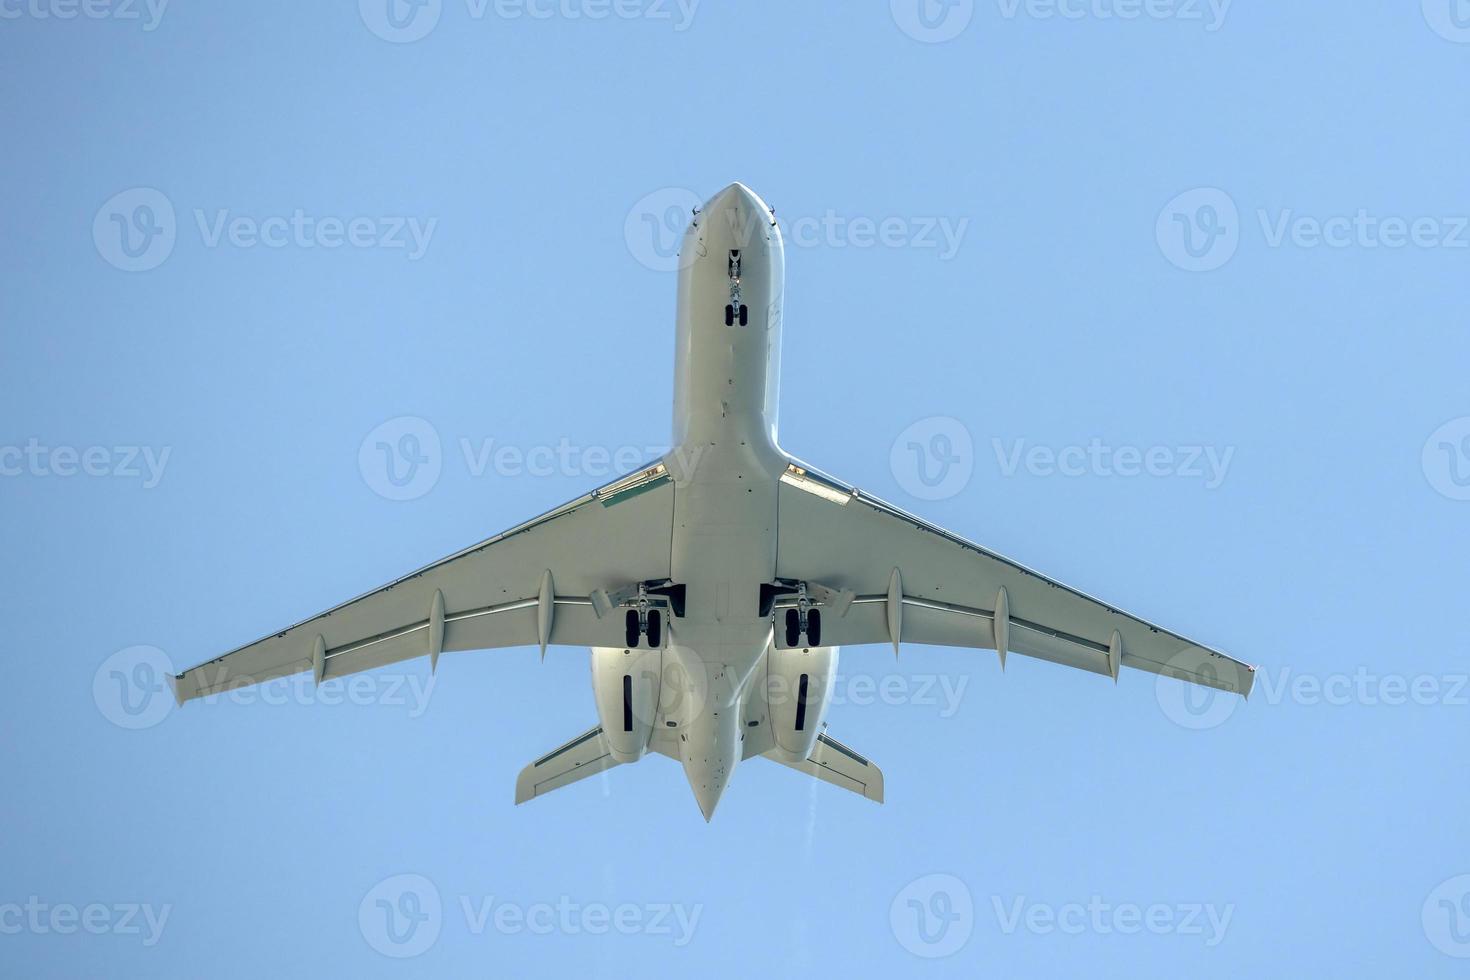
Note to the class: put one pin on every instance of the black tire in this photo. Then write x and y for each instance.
(744, 315)
(814, 627)
(655, 629)
(793, 628)
(729, 315)
(630, 629)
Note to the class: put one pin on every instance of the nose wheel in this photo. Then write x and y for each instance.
(732, 315)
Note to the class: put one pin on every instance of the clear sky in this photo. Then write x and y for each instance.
(1170, 295)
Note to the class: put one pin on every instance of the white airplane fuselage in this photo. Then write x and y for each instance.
(714, 671)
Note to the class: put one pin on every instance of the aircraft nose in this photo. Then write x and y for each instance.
(736, 218)
(739, 198)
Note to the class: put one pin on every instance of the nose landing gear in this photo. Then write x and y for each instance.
(735, 310)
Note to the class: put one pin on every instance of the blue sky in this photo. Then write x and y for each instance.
(1170, 295)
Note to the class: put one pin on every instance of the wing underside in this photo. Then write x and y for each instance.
(892, 576)
(532, 585)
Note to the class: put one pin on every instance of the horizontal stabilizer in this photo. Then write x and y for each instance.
(832, 762)
(583, 756)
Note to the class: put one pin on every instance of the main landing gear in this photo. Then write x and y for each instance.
(802, 621)
(643, 621)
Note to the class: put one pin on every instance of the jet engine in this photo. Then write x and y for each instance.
(798, 686)
(626, 684)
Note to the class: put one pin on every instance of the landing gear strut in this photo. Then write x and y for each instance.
(735, 310)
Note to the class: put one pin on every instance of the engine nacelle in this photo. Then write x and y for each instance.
(626, 685)
(798, 687)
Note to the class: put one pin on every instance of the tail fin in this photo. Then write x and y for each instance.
(583, 756)
(832, 762)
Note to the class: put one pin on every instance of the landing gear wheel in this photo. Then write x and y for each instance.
(814, 628)
(655, 629)
(744, 315)
(729, 316)
(630, 630)
(793, 628)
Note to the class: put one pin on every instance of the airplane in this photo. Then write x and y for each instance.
(716, 586)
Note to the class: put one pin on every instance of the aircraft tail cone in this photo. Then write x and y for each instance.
(707, 803)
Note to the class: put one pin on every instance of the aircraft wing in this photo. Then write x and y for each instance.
(531, 585)
(889, 576)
